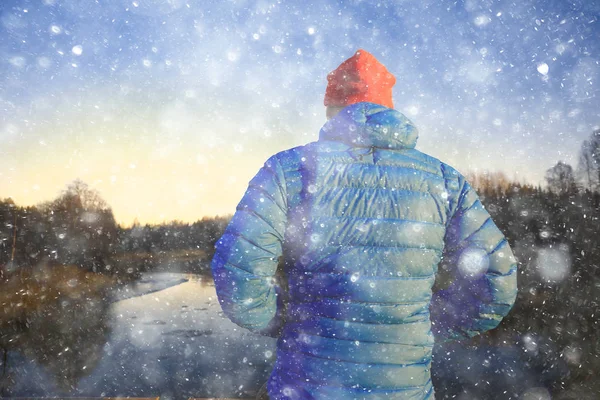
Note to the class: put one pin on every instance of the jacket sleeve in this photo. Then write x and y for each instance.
(247, 255)
(483, 271)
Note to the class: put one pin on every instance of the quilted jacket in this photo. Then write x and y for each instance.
(335, 248)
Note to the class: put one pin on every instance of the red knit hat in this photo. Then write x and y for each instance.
(360, 78)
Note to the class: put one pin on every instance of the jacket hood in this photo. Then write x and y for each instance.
(371, 125)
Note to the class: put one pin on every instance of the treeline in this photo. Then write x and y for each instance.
(78, 228)
(175, 246)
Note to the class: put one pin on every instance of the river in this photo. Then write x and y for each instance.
(164, 336)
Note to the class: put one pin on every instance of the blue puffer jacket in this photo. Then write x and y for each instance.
(360, 221)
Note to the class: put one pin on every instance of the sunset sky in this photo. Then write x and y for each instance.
(168, 108)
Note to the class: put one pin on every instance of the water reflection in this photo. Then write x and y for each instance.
(67, 338)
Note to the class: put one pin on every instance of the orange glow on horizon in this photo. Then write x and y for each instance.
(149, 177)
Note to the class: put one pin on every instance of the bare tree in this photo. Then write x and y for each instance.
(561, 179)
(83, 224)
(488, 183)
(89, 198)
(589, 162)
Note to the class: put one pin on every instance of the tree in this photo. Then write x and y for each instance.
(488, 183)
(83, 225)
(589, 162)
(561, 179)
(22, 236)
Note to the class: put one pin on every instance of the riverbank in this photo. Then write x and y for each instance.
(30, 291)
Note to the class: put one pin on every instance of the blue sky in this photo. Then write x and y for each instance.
(169, 107)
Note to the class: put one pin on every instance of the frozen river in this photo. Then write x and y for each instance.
(166, 337)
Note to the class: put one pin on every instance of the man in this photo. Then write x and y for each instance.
(360, 220)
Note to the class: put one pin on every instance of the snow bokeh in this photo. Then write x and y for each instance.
(473, 262)
(553, 264)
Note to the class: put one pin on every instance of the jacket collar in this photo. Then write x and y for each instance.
(371, 125)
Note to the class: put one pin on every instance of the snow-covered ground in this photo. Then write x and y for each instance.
(171, 340)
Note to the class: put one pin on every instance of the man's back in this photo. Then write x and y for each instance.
(362, 220)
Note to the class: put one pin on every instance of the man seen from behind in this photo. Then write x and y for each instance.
(359, 221)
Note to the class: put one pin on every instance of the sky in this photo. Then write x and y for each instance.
(168, 107)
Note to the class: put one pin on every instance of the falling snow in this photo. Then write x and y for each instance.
(167, 108)
(77, 50)
(543, 68)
